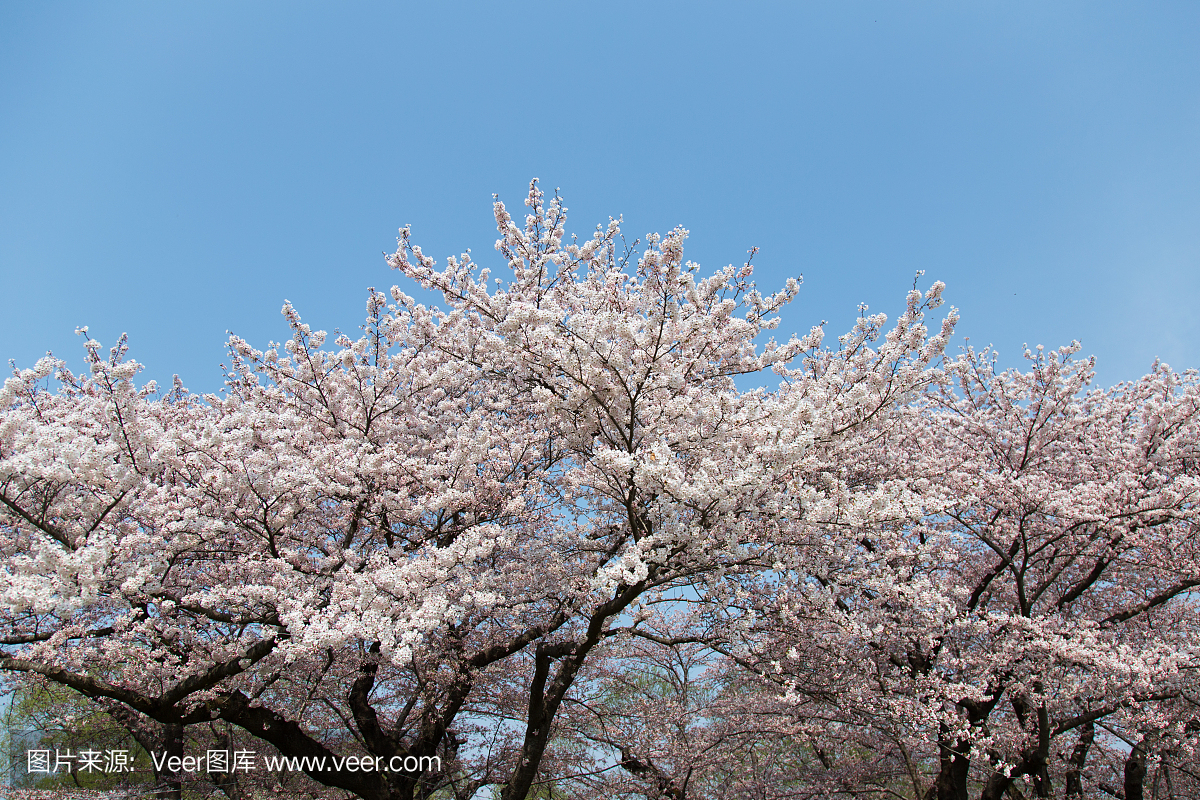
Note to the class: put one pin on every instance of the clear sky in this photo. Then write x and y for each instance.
(176, 170)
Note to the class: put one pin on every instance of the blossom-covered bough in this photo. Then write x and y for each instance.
(454, 543)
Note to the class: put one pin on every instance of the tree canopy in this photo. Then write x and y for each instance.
(537, 537)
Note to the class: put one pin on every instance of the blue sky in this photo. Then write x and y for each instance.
(176, 170)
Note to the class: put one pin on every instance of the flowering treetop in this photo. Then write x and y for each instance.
(414, 542)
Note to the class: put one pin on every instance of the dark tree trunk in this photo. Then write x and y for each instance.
(227, 782)
(1135, 771)
(1087, 734)
(954, 756)
(168, 785)
(951, 783)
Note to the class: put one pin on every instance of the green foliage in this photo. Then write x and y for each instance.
(48, 717)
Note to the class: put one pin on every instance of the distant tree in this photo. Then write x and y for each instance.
(1034, 629)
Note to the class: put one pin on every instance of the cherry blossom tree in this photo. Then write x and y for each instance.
(1033, 629)
(412, 546)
